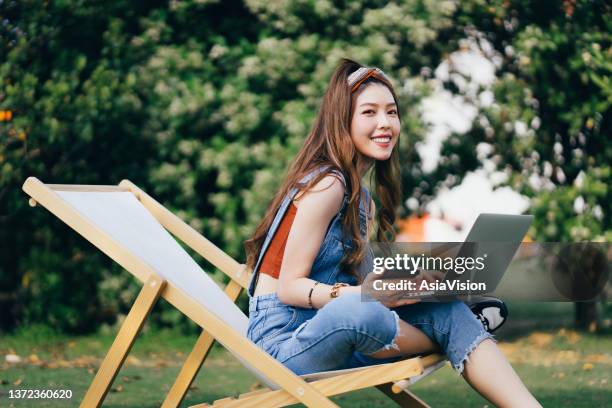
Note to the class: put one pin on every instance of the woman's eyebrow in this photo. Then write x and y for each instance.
(375, 104)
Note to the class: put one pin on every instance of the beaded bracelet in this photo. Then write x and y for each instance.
(336, 289)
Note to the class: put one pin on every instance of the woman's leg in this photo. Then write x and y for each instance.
(337, 331)
(504, 388)
(410, 341)
(471, 350)
(349, 331)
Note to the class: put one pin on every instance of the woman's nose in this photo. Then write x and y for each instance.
(383, 121)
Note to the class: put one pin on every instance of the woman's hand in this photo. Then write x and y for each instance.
(428, 276)
(398, 297)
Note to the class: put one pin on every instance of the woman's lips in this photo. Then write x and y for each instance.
(382, 141)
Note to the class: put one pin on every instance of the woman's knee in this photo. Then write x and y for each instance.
(451, 311)
(458, 309)
(453, 321)
(462, 315)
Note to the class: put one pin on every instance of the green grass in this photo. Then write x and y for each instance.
(561, 367)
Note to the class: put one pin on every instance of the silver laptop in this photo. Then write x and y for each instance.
(495, 237)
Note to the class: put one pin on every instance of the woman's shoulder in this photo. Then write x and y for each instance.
(330, 173)
(327, 169)
(337, 174)
(329, 189)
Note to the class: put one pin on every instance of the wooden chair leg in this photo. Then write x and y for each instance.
(195, 359)
(404, 399)
(123, 342)
(189, 371)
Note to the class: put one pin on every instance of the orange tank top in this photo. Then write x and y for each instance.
(272, 260)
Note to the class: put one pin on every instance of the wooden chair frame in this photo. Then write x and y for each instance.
(392, 379)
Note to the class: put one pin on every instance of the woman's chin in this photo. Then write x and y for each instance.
(380, 156)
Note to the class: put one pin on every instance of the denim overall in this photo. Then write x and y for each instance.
(346, 330)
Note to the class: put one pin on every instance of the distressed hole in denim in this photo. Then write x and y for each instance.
(393, 344)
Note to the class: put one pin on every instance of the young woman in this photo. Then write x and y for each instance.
(305, 305)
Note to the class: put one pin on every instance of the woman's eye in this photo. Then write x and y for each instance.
(368, 111)
(393, 112)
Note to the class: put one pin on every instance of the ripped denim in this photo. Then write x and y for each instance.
(346, 330)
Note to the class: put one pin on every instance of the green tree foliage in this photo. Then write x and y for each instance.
(77, 116)
(552, 120)
(555, 80)
(204, 103)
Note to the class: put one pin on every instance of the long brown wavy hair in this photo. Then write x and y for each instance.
(329, 144)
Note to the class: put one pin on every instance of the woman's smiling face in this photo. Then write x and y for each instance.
(375, 126)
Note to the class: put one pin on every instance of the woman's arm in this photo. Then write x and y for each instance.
(316, 209)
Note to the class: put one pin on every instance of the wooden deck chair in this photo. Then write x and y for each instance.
(134, 230)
